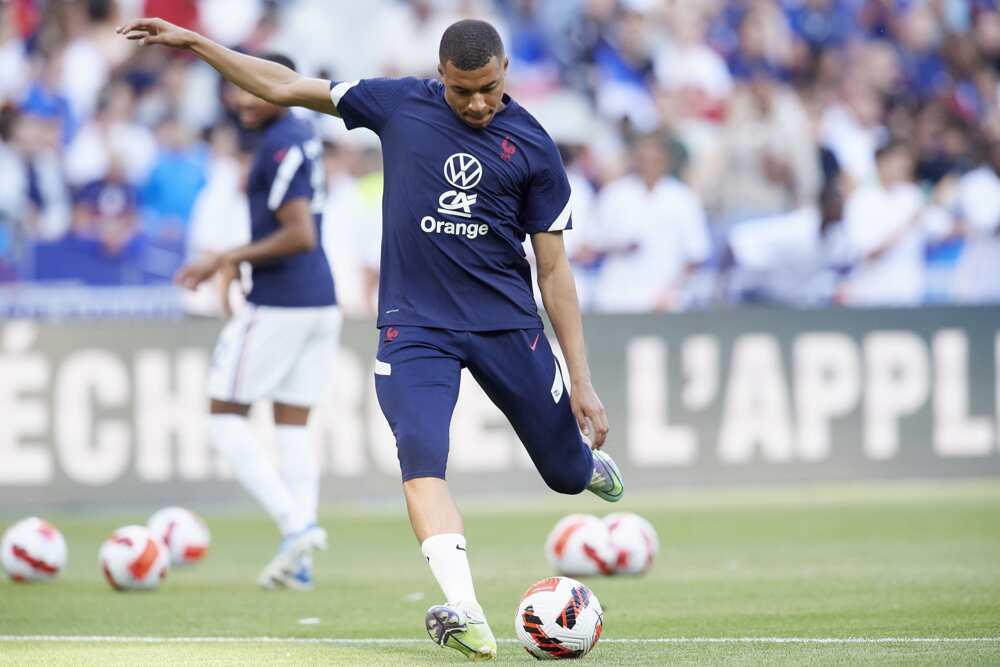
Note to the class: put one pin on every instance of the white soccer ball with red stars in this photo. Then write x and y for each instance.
(634, 541)
(580, 545)
(184, 533)
(33, 550)
(134, 559)
(559, 618)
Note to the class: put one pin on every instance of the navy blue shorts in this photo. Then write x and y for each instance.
(417, 375)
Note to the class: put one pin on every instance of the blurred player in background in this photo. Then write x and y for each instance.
(281, 347)
(468, 174)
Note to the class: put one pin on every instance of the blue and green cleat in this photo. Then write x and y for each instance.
(606, 480)
(462, 628)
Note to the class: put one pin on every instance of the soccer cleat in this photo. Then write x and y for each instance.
(463, 629)
(302, 578)
(606, 480)
(287, 563)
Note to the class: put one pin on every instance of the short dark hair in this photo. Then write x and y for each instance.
(279, 58)
(469, 44)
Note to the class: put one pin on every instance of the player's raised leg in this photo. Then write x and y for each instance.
(520, 374)
(417, 377)
(555, 282)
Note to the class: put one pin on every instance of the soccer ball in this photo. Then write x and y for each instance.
(559, 618)
(33, 550)
(580, 545)
(134, 558)
(634, 541)
(184, 533)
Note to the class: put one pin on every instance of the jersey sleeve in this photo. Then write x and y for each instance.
(289, 173)
(368, 102)
(546, 203)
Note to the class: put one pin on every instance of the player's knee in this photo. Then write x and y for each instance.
(569, 479)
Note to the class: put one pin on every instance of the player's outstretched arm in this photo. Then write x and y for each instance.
(265, 79)
(555, 281)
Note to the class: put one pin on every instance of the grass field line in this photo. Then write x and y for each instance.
(358, 641)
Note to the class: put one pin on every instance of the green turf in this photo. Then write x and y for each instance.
(891, 560)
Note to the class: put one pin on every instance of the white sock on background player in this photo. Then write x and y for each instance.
(449, 562)
(298, 464)
(253, 468)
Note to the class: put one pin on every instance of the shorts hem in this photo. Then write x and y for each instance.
(415, 475)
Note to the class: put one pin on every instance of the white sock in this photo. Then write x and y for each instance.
(232, 436)
(299, 467)
(450, 564)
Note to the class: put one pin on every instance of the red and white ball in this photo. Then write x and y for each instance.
(580, 545)
(134, 559)
(634, 541)
(185, 534)
(559, 618)
(33, 550)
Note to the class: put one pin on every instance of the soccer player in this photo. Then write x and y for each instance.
(468, 174)
(281, 347)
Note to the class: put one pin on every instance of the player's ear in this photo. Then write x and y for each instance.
(441, 71)
(506, 63)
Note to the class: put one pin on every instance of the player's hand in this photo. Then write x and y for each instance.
(157, 31)
(589, 412)
(191, 275)
(229, 272)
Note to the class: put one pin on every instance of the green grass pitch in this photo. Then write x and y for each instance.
(891, 562)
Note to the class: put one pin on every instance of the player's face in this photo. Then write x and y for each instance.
(475, 95)
(253, 111)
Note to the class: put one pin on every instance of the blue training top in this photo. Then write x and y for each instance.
(457, 204)
(288, 164)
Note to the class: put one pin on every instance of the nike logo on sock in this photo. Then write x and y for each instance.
(460, 548)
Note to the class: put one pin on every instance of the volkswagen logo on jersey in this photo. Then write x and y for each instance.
(463, 171)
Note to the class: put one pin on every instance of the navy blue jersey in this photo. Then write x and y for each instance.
(288, 164)
(457, 205)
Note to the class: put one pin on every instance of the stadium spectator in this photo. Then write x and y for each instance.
(177, 176)
(652, 234)
(792, 258)
(767, 161)
(44, 96)
(853, 129)
(623, 68)
(695, 76)
(36, 139)
(978, 205)
(887, 224)
(920, 34)
(106, 210)
(111, 130)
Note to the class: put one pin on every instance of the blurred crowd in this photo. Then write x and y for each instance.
(801, 152)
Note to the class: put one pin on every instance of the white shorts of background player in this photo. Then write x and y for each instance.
(285, 355)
